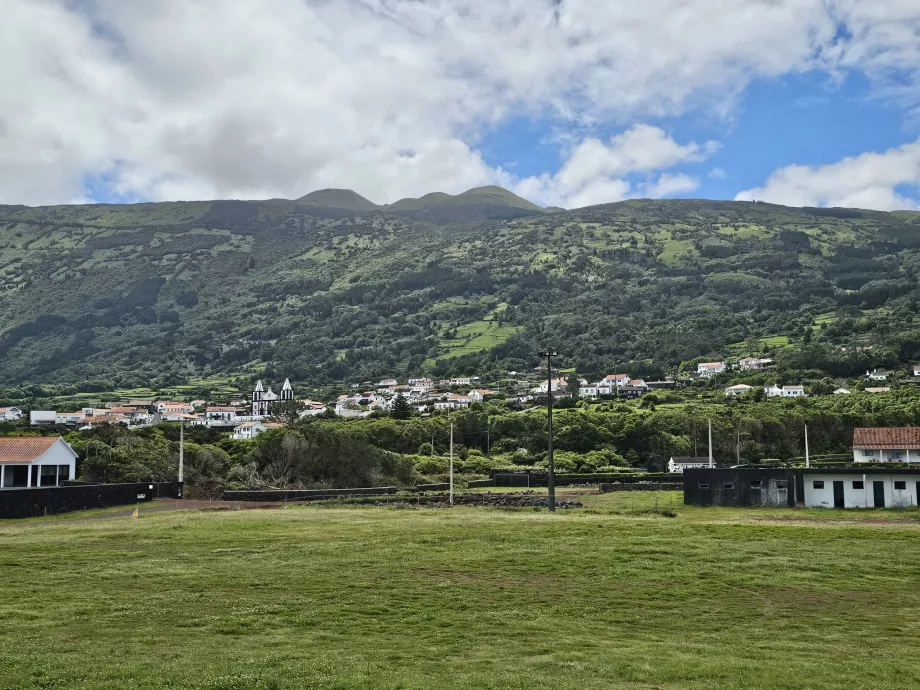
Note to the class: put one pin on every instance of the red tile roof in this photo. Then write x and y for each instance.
(895, 438)
(25, 448)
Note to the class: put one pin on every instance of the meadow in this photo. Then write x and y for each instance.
(615, 595)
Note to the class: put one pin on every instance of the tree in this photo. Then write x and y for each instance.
(400, 408)
(287, 411)
(572, 386)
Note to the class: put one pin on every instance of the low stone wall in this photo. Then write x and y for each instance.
(52, 500)
(443, 486)
(643, 486)
(300, 495)
(526, 499)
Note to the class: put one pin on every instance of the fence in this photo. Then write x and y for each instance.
(23, 503)
(282, 496)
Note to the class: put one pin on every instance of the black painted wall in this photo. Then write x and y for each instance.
(744, 486)
(23, 503)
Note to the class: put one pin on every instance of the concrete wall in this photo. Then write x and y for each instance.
(22, 503)
(861, 498)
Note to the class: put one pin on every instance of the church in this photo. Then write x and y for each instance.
(262, 399)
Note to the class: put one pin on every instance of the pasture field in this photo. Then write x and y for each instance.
(615, 595)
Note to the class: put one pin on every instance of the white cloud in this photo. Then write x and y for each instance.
(869, 180)
(248, 98)
(717, 174)
(669, 184)
(595, 171)
(238, 98)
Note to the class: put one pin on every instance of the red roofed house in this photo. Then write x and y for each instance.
(892, 444)
(33, 461)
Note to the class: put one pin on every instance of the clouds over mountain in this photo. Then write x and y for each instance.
(238, 98)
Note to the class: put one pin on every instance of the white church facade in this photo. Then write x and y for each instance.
(262, 400)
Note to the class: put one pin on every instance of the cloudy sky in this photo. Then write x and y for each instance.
(567, 102)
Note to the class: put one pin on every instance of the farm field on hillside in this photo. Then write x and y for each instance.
(612, 596)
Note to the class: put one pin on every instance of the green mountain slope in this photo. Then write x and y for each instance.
(156, 293)
(338, 198)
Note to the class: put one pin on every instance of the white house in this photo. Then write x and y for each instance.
(453, 401)
(613, 380)
(311, 408)
(917, 370)
(886, 444)
(10, 414)
(775, 391)
(861, 487)
(220, 415)
(386, 383)
(708, 369)
(681, 463)
(737, 389)
(556, 383)
(461, 381)
(42, 417)
(754, 363)
(421, 382)
(35, 461)
(479, 394)
(877, 375)
(249, 430)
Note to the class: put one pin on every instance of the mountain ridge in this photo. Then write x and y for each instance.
(165, 291)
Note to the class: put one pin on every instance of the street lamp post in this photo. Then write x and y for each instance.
(551, 476)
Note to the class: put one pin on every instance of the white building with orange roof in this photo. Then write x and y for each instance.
(35, 461)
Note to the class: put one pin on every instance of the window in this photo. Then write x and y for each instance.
(63, 473)
(857, 484)
(900, 486)
(728, 485)
(48, 475)
(704, 485)
(868, 453)
(781, 483)
(755, 483)
(817, 484)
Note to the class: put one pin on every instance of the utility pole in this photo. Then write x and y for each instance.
(711, 461)
(488, 439)
(551, 475)
(181, 450)
(807, 458)
(451, 462)
(738, 445)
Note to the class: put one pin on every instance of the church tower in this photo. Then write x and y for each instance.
(287, 393)
(258, 406)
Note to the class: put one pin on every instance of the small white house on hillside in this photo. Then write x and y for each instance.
(708, 369)
(35, 461)
(10, 414)
(738, 389)
(681, 463)
(249, 430)
(878, 375)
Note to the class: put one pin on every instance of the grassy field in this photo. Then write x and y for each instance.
(612, 596)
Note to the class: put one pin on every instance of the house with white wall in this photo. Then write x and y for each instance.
(755, 363)
(775, 391)
(861, 487)
(10, 414)
(708, 369)
(249, 430)
(35, 461)
(737, 389)
(878, 375)
(886, 444)
(680, 463)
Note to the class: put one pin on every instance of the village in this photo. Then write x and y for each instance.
(246, 418)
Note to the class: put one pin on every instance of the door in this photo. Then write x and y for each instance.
(878, 493)
(838, 495)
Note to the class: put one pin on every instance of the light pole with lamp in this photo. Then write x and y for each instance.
(551, 475)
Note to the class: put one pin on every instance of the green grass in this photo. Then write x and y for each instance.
(612, 596)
